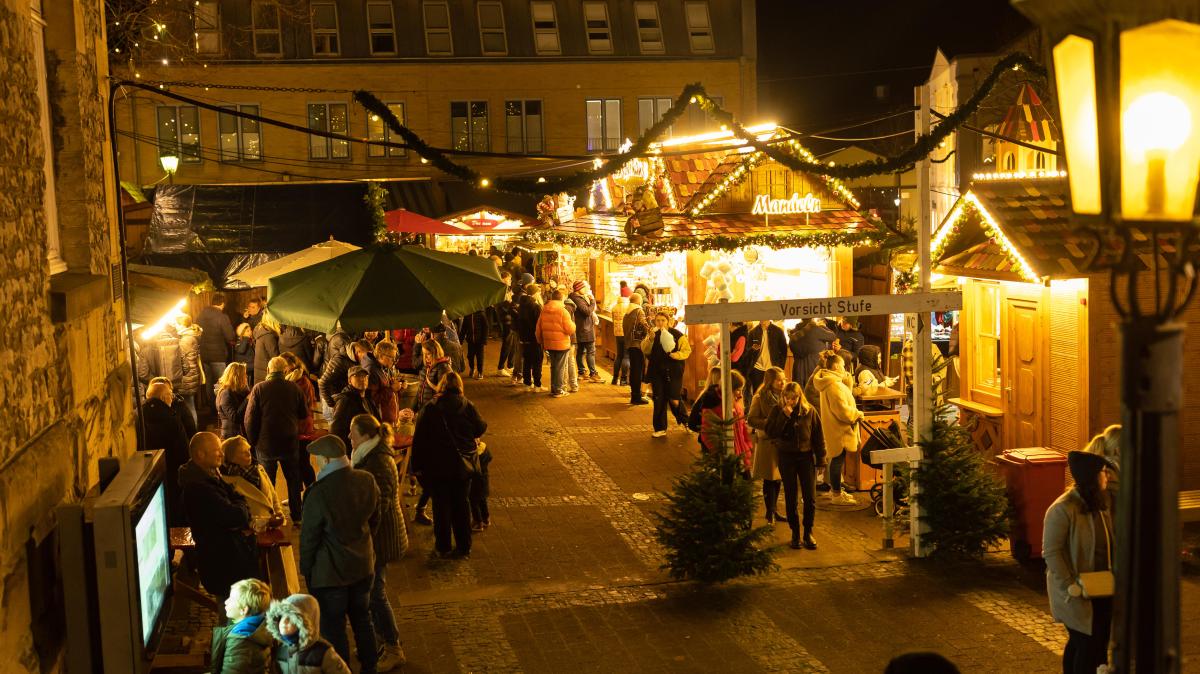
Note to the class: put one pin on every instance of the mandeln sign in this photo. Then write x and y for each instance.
(765, 205)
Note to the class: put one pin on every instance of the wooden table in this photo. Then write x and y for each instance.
(274, 551)
(888, 397)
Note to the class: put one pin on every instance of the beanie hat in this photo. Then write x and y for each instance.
(328, 446)
(1085, 466)
(526, 279)
(578, 285)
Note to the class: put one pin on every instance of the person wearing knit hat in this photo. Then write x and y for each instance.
(295, 623)
(526, 279)
(1077, 539)
(585, 330)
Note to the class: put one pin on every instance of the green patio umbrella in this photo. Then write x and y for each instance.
(384, 287)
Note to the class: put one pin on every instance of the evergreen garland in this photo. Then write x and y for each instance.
(695, 93)
(376, 200)
(722, 242)
(964, 503)
(707, 528)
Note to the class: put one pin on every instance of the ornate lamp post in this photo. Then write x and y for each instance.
(170, 164)
(1129, 97)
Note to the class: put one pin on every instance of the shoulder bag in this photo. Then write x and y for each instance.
(468, 459)
(1099, 584)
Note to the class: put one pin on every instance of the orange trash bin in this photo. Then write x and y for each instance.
(1035, 477)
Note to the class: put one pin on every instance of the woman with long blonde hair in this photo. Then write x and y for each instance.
(765, 464)
(233, 388)
(796, 427)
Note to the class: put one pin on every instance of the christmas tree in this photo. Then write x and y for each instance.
(963, 503)
(707, 527)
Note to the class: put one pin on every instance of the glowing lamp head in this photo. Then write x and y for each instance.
(1156, 121)
(170, 163)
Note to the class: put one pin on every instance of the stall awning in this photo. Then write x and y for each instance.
(155, 292)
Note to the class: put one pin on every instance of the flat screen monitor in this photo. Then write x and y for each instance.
(153, 560)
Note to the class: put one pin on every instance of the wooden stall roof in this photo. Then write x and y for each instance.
(604, 224)
(690, 173)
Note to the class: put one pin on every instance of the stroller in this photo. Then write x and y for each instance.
(891, 436)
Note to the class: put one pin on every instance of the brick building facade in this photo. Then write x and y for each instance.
(65, 396)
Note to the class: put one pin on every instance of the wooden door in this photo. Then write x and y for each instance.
(1022, 395)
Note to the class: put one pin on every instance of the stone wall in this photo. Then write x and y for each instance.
(65, 394)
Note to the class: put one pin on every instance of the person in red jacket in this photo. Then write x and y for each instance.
(555, 327)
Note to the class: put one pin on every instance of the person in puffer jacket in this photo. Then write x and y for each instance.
(293, 622)
(839, 418)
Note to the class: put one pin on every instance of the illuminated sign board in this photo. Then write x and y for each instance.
(796, 204)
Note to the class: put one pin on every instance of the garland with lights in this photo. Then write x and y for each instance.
(615, 246)
(922, 148)
(792, 157)
(969, 206)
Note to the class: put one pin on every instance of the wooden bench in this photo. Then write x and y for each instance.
(1189, 506)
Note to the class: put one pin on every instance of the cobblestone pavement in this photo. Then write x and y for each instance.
(567, 578)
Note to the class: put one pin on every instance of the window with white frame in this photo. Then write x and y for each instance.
(206, 20)
(325, 29)
(437, 29)
(699, 27)
(650, 110)
(545, 28)
(491, 28)
(469, 125)
(264, 17)
(240, 138)
(331, 117)
(377, 129)
(523, 126)
(49, 198)
(179, 132)
(603, 124)
(649, 27)
(381, 22)
(599, 33)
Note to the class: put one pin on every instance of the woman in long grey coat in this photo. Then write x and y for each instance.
(765, 465)
(1077, 539)
(373, 453)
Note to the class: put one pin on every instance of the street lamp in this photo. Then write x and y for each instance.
(1129, 99)
(170, 164)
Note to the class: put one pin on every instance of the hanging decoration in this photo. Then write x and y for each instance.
(658, 246)
(645, 217)
(784, 153)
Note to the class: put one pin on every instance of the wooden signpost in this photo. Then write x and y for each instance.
(922, 304)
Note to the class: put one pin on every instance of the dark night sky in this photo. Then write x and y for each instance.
(808, 52)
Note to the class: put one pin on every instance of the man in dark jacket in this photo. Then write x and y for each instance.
(334, 377)
(475, 335)
(253, 313)
(636, 326)
(585, 330)
(165, 431)
(216, 338)
(266, 347)
(337, 555)
(351, 402)
(766, 347)
(529, 309)
(295, 340)
(219, 517)
(849, 335)
(273, 415)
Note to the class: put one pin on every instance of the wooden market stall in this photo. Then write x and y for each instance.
(1040, 353)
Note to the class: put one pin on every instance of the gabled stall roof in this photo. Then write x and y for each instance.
(738, 224)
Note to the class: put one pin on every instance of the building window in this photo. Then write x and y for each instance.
(381, 22)
(179, 132)
(377, 129)
(603, 124)
(325, 29)
(1010, 161)
(207, 23)
(437, 29)
(649, 28)
(545, 28)
(265, 18)
(699, 27)
(523, 126)
(1039, 161)
(331, 117)
(650, 110)
(491, 28)
(49, 197)
(599, 34)
(469, 125)
(241, 139)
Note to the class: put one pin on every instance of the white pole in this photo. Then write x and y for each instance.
(726, 387)
(922, 413)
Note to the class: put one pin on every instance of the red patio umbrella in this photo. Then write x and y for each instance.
(405, 221)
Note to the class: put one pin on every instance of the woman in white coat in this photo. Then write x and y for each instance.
(1077, 539)
(250, 479)
(839, 419)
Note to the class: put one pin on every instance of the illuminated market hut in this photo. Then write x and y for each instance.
(1039, 353)
(709, 218)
